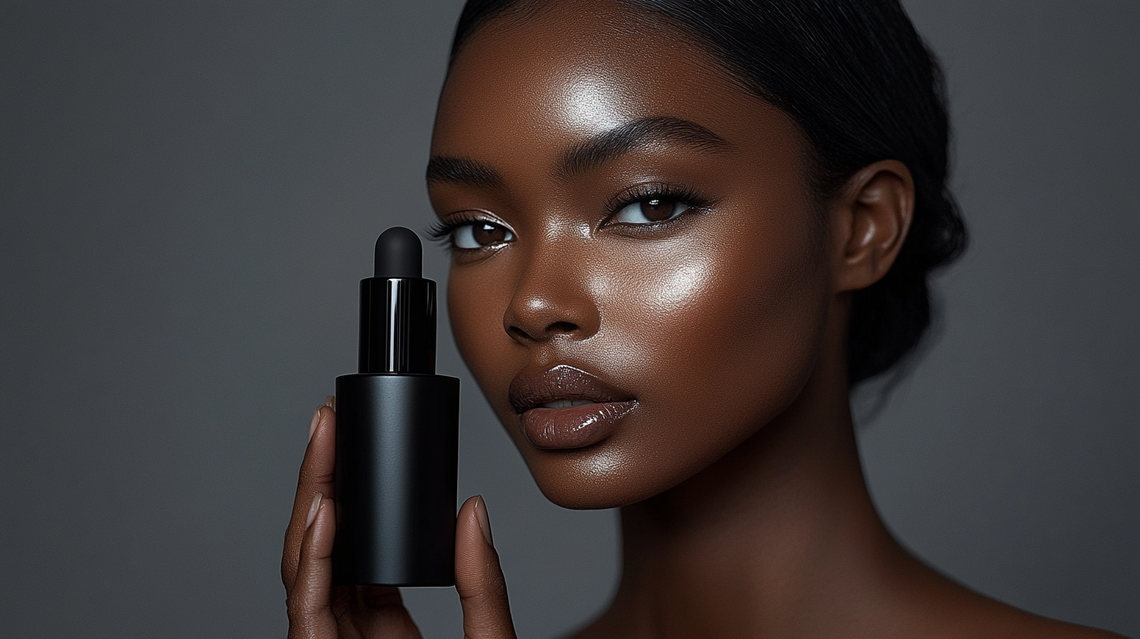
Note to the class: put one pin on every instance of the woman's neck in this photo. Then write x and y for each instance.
(777, 538)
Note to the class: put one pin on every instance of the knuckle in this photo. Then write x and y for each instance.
(290, 559)
(293, 609)
(310, 476)
(298, 609)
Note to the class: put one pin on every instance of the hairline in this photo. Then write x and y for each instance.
(821, 186)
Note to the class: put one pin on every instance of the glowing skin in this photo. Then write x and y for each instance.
(588, 105)
(710, 318)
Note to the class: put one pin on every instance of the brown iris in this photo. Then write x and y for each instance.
(658, 209)
(486, 234)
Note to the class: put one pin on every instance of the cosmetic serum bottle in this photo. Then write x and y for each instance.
(397, 434)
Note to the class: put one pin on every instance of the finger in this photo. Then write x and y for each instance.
(378, 611)
(478, 576)
(308, 601)
(316, 476)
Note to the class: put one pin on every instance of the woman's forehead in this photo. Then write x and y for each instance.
(581, 68)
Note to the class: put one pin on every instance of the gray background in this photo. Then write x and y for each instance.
(189, 193)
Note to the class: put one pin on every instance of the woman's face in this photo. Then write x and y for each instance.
(639, 282)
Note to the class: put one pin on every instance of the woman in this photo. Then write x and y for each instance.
(681, 233)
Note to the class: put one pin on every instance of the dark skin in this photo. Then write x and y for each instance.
(620, 207)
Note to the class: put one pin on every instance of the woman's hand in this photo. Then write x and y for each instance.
(318, 609)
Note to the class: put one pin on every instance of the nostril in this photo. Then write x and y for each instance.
(555, 328)
(561, 327)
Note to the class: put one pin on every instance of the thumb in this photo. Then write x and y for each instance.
(478, 576)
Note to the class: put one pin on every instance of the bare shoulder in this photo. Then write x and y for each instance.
(977, 616)
(999, 621)
(939, 607)
(1024, 624)
(1029, 625)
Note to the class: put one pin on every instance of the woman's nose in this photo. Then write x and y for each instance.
(551, 299)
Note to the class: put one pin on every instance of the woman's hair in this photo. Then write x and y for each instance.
(863, 87)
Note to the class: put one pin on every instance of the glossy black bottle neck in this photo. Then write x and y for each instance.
(397, 326)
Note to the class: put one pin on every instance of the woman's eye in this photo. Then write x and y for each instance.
(650, 210)
(479, 235)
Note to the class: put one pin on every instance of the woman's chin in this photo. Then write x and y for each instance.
(593, 478)
(563, 494)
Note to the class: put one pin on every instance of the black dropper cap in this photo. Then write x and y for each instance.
(397, 309)
(399, 254)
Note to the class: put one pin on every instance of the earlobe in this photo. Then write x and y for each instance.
(870, 220)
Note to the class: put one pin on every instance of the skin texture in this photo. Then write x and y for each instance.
(744, 509)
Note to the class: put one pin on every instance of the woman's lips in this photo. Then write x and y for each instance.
(566, 407)
(573, 427)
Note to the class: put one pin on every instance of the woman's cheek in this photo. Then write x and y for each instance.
(716, 337)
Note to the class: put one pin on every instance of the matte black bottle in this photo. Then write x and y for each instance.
(397, 434)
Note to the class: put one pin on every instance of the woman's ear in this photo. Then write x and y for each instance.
(869, 221)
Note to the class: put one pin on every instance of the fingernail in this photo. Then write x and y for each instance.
(313, 426)
(316, 505)
(330, 401)
(484, 521)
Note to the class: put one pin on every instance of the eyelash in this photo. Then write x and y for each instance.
(643, 192)
(442, 231)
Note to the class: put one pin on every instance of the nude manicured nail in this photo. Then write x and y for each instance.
(313, 508)
(330, 401)
(313, 426)
(484, 520)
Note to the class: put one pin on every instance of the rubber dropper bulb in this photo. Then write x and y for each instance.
(399, 254)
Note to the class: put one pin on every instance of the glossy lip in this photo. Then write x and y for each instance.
(599, 408)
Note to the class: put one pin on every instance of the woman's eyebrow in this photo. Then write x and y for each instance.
(628, 136)
(586, 154)
(460, 170)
